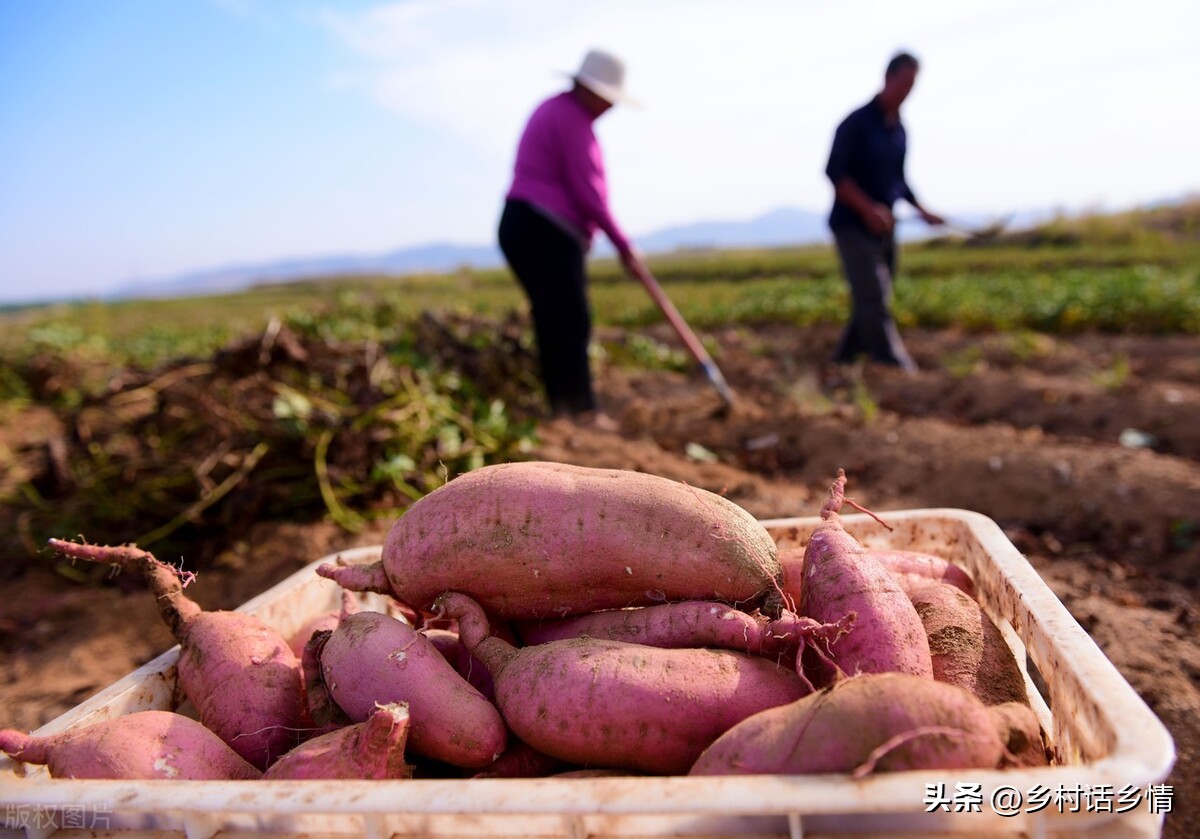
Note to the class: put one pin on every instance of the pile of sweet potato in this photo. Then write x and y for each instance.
(566, 620)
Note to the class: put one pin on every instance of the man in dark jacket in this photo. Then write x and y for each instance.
(866, 166)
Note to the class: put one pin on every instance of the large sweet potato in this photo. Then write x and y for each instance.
(241, 675)
(610, 704)
(841, 579)
(873, 722)
(144, 745)
(533, 540)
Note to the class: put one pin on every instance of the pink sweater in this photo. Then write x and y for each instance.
(560, 170)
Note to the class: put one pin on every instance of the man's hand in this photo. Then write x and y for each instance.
(931, 218)
(879, 219)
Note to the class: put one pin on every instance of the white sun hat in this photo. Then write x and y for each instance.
(604, 75)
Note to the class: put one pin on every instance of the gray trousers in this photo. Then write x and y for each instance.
(869, 263)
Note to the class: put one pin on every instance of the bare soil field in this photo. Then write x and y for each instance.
(1086, 451)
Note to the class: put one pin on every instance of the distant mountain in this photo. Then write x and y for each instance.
(785, 226)
(432, 258)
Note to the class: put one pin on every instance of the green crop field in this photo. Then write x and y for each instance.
(1133, 273)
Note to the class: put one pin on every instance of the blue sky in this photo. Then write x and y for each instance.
(143, 139)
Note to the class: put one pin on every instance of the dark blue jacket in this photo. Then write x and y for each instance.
(871, 153)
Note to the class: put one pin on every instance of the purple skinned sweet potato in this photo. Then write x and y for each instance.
(875, 722)
(842, 579)
(1021, 733)
(325, 620)
(688, 623)
(913, 569)
(610, 704)
(521, 760)
(540, 539)
(144, 745)
(372, 658)
(371, 751)
(460, 658)
(241, 675)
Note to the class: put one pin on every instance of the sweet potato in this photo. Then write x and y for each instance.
(692, 624)
(371, 751)
(521, 760)
(144, 745)
(873, 722)
(688, 623)
(610, 704)
(1021, 734)
(324, 620)
(241, 675)
(791, 561)
(533, 540)
(445, 641)
(840, 579)
(325, 714)
(913, 568)
(470, 668)
(966, 647)
(372, 658)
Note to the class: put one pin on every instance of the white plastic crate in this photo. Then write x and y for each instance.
(1104, 736)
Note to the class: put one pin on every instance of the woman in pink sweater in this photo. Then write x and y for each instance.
(557, 202)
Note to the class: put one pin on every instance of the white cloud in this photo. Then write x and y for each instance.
(741, 99)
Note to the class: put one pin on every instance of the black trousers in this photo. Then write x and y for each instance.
(550, 266)
(869, 263)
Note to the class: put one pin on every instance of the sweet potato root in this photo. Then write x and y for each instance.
(873, 722)
(610, 704)
(534, 540)
(241, 675)
(144, 745)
